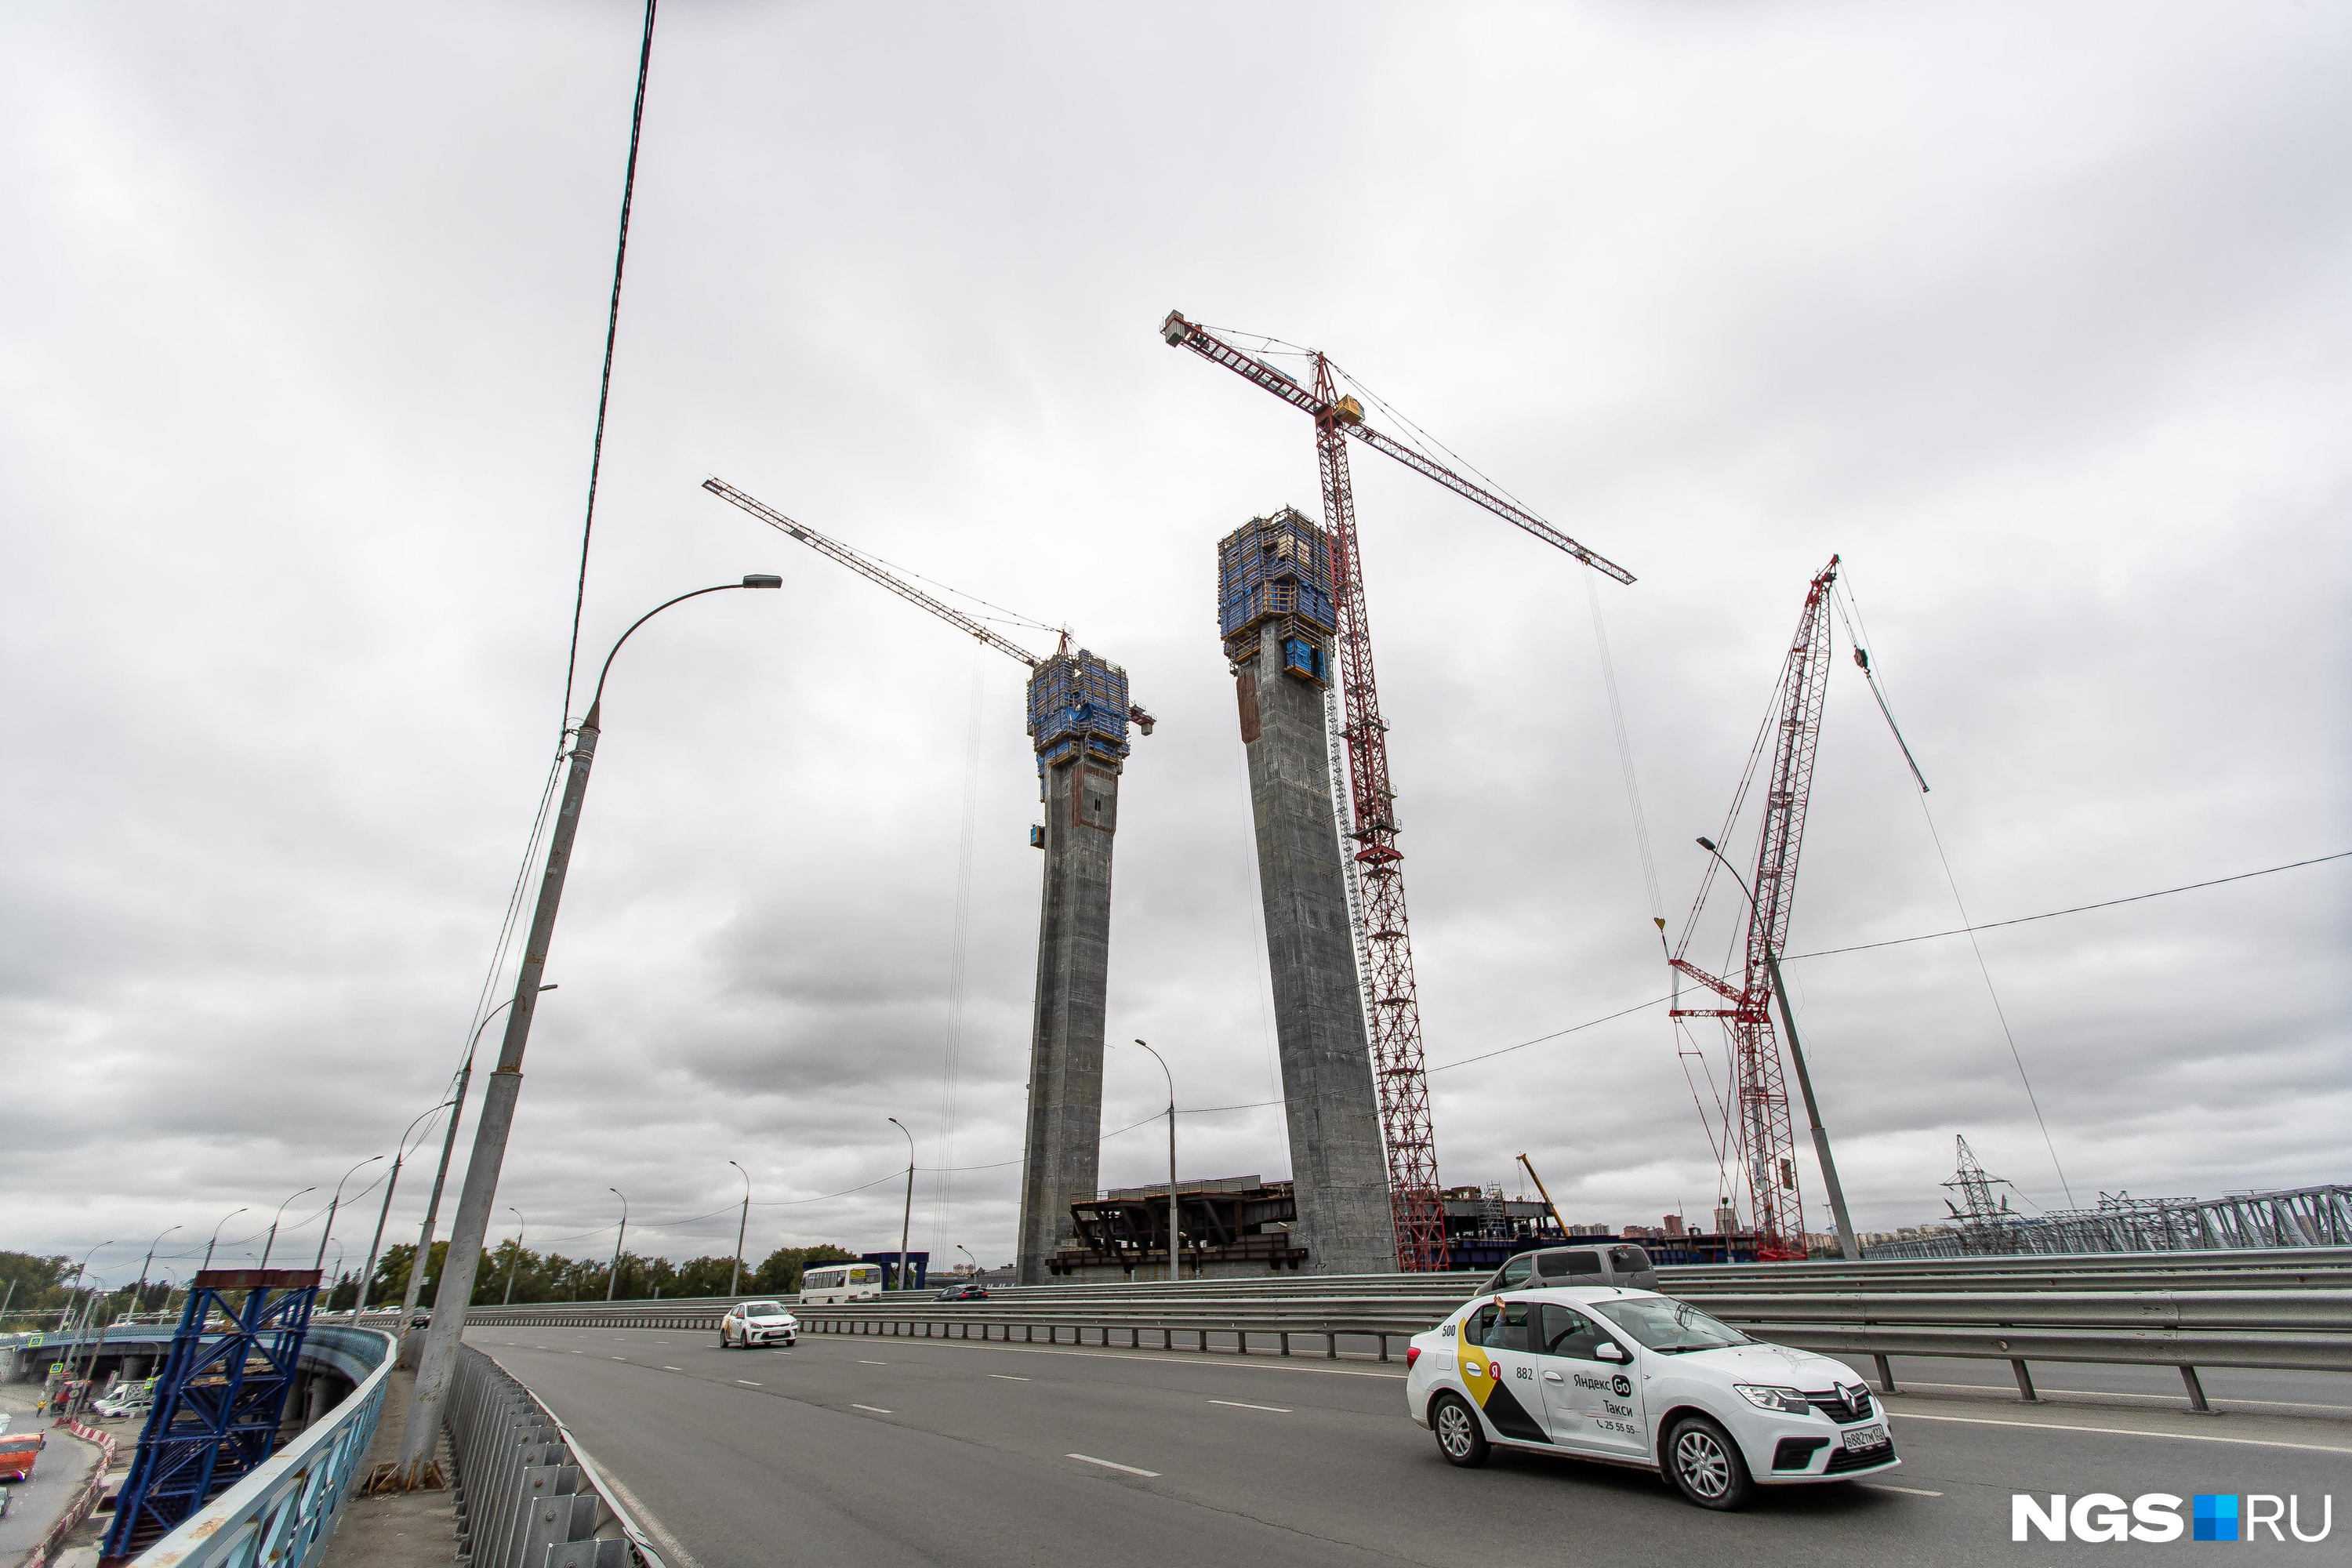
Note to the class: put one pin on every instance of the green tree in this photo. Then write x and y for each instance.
(704, 1275)
(390, 1286)
(40, 1282)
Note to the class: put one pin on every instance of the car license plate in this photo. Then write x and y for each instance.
(1871, 1436)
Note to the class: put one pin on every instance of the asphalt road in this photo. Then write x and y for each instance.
(34, 1502)
(897, 1451)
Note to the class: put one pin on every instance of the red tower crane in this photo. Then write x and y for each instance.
(1764, 1136)
(1392, 1004)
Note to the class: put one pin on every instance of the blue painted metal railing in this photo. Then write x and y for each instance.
(282, 1514)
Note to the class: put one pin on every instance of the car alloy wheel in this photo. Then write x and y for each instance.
(1706, 1468)
(1458, 1438)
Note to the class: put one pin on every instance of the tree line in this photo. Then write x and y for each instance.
(520, 1275)
(42, 1285)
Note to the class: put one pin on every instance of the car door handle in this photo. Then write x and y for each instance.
(1554, 1377)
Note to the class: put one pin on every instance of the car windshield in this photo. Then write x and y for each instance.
(1667, 1326)
(763, 1309)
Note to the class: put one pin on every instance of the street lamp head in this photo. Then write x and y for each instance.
(763, 580)
(1708, 845)
(547, 988)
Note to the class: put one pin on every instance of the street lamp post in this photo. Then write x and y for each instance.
(735, 1279)
(975, 1262)
(215, 1240)
(440, 1176)
(906, 1220)
(139, 1291)
(1175, 1219)
(1846, 1242)
(82, 1326)
(273, 1225)
(391, 1185)
(521, 1226)
(612, 1280)
(424, 1424)
(331, 1208)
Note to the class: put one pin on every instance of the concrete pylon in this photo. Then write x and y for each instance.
(1079, 713)
(1275, 614)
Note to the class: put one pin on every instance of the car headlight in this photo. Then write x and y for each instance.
(1765, 1396)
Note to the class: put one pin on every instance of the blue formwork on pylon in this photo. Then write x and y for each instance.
(1278, 565)
(219, 1399)
(1077, 702)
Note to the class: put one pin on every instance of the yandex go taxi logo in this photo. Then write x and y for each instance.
(2156, 1516)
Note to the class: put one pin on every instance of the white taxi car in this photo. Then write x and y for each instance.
(749, 1323)
(1633, 1377)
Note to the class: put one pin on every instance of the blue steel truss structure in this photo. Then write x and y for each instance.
(219, 1400)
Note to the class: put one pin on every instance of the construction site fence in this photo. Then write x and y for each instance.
(285, 1513)
(528, 1496)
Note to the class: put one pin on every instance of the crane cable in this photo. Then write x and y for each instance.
(959, 955)
(1855, 630)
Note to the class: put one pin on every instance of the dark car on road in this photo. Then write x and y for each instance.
(962, 1293)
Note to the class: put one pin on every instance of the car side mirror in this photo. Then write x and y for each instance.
(1608, 1351)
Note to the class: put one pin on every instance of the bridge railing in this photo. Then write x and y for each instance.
(528, 1496)
(284, 1513)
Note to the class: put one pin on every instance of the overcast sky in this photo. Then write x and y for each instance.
(2040, 317)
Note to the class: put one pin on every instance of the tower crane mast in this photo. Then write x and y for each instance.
(1393, 1005)
(1765, 1136)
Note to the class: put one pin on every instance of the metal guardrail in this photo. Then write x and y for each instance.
(520, 1479)
(2263, 1268)
(2301, 1323)
(284, 1513)
(2260, 1270)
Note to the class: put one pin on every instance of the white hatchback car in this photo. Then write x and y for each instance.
(1633, 1377)
(749, 1323)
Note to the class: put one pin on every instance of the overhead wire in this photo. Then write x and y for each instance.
(612, 335)
(2078, 908)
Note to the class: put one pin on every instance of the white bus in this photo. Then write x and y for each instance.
(842, 1282)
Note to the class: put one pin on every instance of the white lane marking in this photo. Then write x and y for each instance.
(620, 1358)
(1907, 1491)
(876, 1408)
(2123, 1432)
(1239, 1405)
(673, 1369)
(1007, 1377)
(1110, 1464)
(747, 1382)
(874, 1363)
